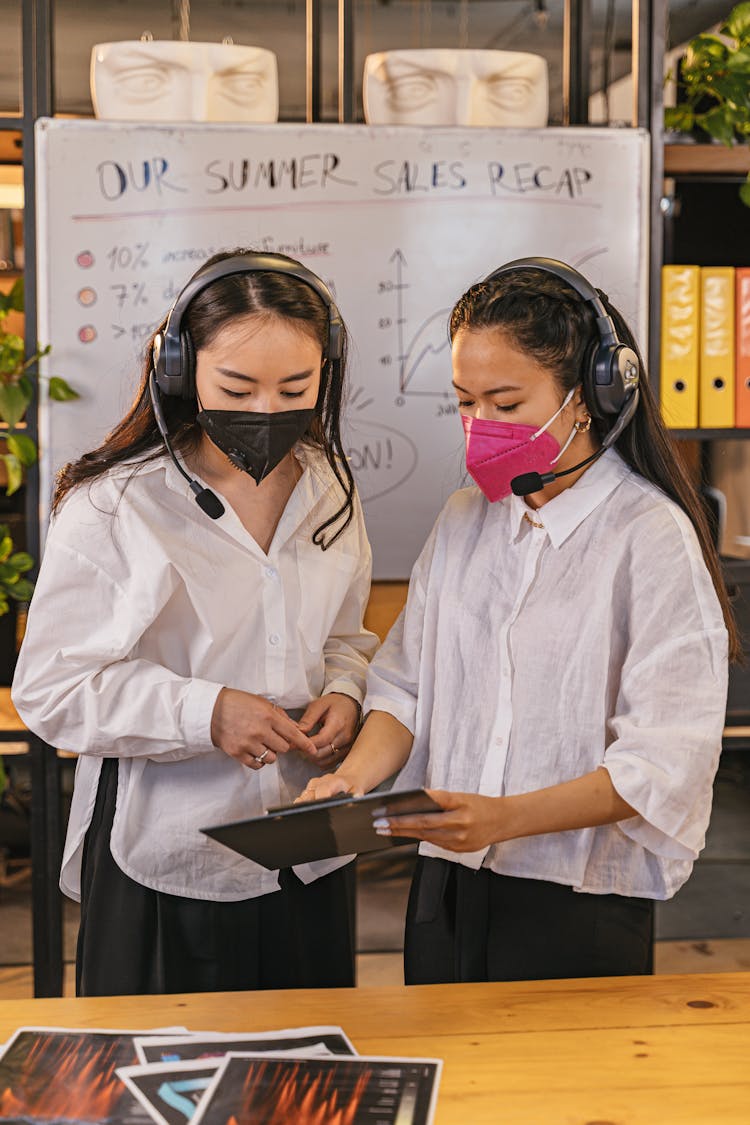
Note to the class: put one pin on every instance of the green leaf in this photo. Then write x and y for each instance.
(61, 391)
(4, 607)
(22, 590)
(23, 447)
(739, 60)
(17, 296)
(6, 544)
(13, 403)
(703, 51)
(745, 193)
(715, 123)
(680, 118)
(11, 353)
(15, 472)
(738, 22)
(22, 561)
(732, 88)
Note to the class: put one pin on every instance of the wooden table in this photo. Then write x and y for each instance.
(665, 1050)
(46, 847)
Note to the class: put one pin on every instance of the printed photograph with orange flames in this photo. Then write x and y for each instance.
(264, 1090)
(171, 1092)
(47, 1075)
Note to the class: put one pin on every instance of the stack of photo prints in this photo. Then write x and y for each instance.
(306, 1075)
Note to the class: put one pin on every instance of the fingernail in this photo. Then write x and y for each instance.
(380, 823)
(382, 831)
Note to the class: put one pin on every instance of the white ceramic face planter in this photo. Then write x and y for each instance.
(161, 80)
(456, 87)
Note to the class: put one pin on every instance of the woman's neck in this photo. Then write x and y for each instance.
(214, 467)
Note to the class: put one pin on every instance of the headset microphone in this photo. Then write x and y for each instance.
(527, 483)
(206, 500)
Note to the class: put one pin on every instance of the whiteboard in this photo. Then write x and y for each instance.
(398, 221)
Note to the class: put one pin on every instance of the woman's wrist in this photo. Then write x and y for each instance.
(504, 819)
(583, 802)
(350, 780)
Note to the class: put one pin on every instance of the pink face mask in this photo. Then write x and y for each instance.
(496, 452)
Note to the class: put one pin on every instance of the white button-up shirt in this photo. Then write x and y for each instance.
(529, 656)
(144, 609)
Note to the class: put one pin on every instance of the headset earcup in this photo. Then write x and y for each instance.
(335, 338)
(187, 365)
(591, 391)
(157, 361)
(616, 373)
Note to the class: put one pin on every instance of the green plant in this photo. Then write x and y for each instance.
(13, 564)
(715, 78)
(17, 381)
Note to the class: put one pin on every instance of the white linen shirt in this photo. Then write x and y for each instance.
(529, 656)
(144, 609)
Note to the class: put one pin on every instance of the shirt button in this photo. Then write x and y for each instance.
(274, 639)
(269, 572)
(499, 741)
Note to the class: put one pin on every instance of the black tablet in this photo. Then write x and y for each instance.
(295, 834)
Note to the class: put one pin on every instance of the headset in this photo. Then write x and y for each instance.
(173, 353)
(611, 371)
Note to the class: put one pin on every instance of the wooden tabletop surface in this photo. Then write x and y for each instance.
(663, 1050)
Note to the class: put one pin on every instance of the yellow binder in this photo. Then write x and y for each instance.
(680, 345)
(717, 347)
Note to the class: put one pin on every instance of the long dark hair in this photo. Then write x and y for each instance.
(546, 318)
(136, 438)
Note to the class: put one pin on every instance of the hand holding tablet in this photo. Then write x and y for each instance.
(323, 829)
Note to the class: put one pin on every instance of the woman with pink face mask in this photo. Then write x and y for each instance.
(558, 677)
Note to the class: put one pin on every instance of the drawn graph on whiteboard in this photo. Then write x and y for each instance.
(422, 367)
(422, 356)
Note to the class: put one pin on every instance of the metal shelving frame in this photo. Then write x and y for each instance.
(46, 821)
(649, 38)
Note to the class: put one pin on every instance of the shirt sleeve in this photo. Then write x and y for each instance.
(669, 716)
(77, 684)
(349, 646)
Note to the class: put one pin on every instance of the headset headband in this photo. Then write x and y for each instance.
(171, 356)
(610, 377)
(576, 281)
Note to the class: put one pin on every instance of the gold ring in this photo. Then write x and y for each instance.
(333, 749)
(262, 757)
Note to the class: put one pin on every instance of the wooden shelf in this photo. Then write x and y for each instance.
(10, 147)
(690, 159)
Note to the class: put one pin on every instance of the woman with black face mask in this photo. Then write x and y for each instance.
(206, 660)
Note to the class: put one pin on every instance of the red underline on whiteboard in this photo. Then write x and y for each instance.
(324, 203)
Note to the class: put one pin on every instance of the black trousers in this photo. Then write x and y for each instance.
(134, 940)
(464, 925)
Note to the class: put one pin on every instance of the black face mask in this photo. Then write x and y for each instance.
(252, 441)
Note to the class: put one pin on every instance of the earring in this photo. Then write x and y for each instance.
(585, 426)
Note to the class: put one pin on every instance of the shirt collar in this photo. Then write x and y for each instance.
(563, 514)
(315, 484)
